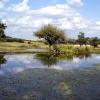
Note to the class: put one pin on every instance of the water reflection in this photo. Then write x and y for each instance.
(47, 59)
(52, 59)
(46, 84)
(17, 63)
(2, 59)
(27, 77)
(83, 55)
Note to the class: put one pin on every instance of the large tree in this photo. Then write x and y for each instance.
(81, 38)
(51, 34)
(2, 28)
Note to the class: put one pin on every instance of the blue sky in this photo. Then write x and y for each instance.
(23, 17)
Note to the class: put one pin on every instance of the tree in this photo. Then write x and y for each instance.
(2, 28)
(94, 41)
(51, 34)
(81, 38)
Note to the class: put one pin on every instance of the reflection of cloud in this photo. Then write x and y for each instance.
(24, 58)
(57, 67)
(19, 63)
(17, 70)
(76, 60)
(98, 57)
(1, 72)
(13, 70)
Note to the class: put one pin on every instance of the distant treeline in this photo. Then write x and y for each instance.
(82, 40)
(88, 41)
(10, 39)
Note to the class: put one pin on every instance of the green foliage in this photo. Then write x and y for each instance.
(69, 52)
(2, 28)
(72, 50)
(81, 38)
(71, 41)
(51, 34)
(63, 48)
(14, 40)
(86, 51)
(96, 50)
(86, 40)
(94, 41)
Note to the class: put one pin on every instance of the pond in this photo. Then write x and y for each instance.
(49, 77)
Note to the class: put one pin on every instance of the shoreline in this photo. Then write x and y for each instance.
(20, 52)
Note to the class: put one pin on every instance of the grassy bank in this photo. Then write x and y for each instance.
(20, 47)
(63, 48)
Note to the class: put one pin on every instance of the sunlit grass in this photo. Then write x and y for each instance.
(63, 48)
(15, 46)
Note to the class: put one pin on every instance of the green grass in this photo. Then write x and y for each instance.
(70, 48)
(63, 48)
(96, 50)
(19, 47)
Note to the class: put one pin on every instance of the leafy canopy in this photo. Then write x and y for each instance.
(81, 38)
(51, 34)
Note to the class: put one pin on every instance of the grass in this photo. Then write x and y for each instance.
(96, 50)
(19, 47)
(63, 48)
(71, 49)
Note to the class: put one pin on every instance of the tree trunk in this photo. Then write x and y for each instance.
(50, 47)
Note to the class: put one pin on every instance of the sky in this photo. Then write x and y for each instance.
(24, 17)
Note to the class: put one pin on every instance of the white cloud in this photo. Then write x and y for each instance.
(61, 15)
(2, 14)
(21, 7)
(98, 23)
(75, 2)
(2, 3)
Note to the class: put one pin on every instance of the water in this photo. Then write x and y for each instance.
(49, 77)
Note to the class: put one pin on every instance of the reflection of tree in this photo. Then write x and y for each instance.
(83, 55)
(50, 59)
(66, 56)
(47, 58)
(2, 59)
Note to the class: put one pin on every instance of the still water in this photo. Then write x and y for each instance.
(49, 77)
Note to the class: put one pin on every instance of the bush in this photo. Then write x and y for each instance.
(14, 40)
(82, 51)
(3, 39)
